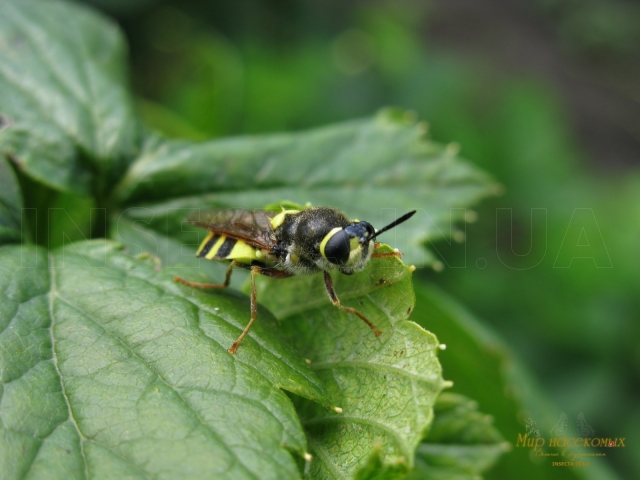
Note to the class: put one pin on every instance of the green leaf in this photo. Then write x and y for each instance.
(373, 169)
(110, 369)
(385, 386)
(64, 103)
(10, 205)
(462, 442)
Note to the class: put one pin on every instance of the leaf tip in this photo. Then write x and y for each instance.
(5, 121)
(337, 409)
(458, 236)
(307, 456)
(452, 149)
(506, 446)
(394, 115)
(442, 346)
(470, 216)
(498, 190)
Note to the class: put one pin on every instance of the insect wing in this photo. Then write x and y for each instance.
(251, 226)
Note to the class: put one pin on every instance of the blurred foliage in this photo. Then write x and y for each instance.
(210, 71)
(596, 27)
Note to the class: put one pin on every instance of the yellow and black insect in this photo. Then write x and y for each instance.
(287, 243)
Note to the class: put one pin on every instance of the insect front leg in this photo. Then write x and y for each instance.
(328, 283)
(227, 280)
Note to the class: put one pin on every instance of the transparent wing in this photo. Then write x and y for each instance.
(251, 226)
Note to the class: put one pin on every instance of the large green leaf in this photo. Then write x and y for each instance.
(461, 444)
(10, 205)
(352, 363)
(373, 169)
(66, 113)
(111, 370)
(108, 368)
(385, 386)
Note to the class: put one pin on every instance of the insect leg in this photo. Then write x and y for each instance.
(384, 255)
(328, 283)
(227, 280)
(254, 310)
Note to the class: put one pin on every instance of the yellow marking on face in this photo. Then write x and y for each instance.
(326, 238)
(355, 255)
(279, 218)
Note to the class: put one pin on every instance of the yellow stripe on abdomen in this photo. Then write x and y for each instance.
(243, 253)
(205, 247)
(221, 247)
(213, 251)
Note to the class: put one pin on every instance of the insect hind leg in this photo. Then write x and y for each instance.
(255, 269)
(254, 311)
(258, 269)
(227, 280)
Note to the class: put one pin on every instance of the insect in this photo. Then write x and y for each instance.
(289, 243)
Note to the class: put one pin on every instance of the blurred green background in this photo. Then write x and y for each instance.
(544, 95)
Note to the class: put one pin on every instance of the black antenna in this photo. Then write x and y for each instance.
(403, 218)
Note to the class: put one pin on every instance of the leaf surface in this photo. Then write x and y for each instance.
(10, 205)
(110, 369)
(385, 386)
(65, 108)
(373, 169)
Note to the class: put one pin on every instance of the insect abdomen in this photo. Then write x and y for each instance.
(220, 247)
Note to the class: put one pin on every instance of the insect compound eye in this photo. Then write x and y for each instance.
(338, 248)
(362, 231)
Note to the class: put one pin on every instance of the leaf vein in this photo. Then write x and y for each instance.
(166, 382)
(52, 294)
(405, 449)
(370, 366)
(317, 448)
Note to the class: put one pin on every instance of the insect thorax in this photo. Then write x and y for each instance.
(299, 237)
